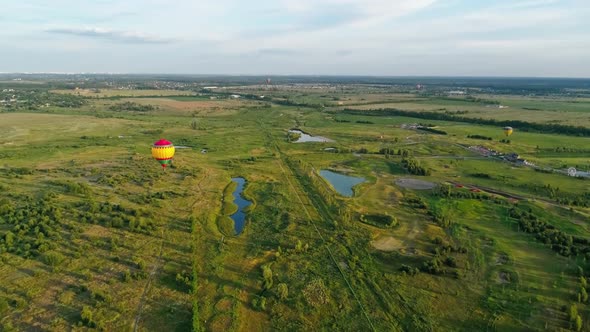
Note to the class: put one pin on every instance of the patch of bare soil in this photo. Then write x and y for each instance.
(387, 243)
(502, 259)
(503, 277)
(415, 184)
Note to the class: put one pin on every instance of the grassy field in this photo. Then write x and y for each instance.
(95, 235)
(106, 93)
(538, 109)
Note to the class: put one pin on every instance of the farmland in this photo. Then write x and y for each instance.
(438, 236)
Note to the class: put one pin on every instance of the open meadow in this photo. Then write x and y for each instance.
(453, 225)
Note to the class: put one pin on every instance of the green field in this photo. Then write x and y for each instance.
(95, 235)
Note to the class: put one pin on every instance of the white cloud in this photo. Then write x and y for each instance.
(306, 36)
(112, 35)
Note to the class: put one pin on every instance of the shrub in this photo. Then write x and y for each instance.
(53, 258)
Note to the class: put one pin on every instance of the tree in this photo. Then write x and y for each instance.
(9, 239)
(298, 246)
(573, 312)
(267, 276)
(86, 316)
(262, 304)
(583, 295)
(283, 291)
(127, 276)
(53, 258)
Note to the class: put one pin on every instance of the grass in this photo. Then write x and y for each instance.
(108, 93)
(543, 110)
(186, 256)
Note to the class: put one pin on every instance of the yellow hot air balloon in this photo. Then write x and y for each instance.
(163, 151)
(508, 131)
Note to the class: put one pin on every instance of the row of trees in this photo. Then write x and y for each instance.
(564, 198)
(414, 167)
(566, 149)
(131, 107)
(562, 243)
(433, 130)
(480, 137)
(521, 125)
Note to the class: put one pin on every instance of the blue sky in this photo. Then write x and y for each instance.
(310, 37)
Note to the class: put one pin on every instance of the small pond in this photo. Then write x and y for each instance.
(342, 183)
(239, 217)
(304, 138)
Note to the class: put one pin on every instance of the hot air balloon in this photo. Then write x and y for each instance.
(508, 131)
(163, 151)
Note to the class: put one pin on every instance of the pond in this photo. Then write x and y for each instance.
(239, 217)
(304, 138)
(342, 183)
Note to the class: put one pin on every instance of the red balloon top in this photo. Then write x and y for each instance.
(162, 142)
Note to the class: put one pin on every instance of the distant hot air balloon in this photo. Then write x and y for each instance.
(163, 151)
(508, 131)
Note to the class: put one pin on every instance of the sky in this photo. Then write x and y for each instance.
(532, 38)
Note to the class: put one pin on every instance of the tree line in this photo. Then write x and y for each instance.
(560, 242)
(520, 125)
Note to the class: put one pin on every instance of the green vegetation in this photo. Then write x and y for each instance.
(521, 125)
(480, 137)
(95, 235)
(131, 107)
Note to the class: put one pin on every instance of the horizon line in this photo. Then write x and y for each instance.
(291, 75)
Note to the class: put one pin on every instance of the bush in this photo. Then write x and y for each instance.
(53, 258)
(315, 293)
(379, 220)
(409, 269)
(283, 291)
(267, 276)
(480, 137)
(450, 261)
(86, 317)
(259, 303)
